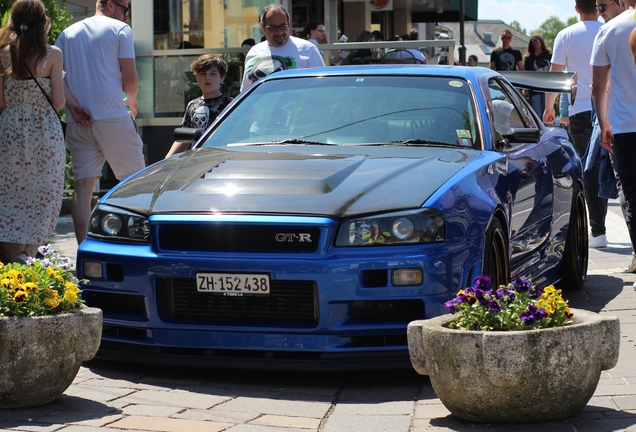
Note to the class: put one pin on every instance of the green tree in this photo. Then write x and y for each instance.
(59, 16)
(517, 26)
(550, 27)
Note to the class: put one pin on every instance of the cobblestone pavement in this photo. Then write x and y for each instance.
(118, 396)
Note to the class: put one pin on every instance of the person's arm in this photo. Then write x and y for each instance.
(57, 78)
(130, 83)
(549, 115)
(519, 60)
(80, 114)
(600, 78)
(177, 147)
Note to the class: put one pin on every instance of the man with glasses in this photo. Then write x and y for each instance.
(99, 60)
(280, 50)
(609, 9)
(506, 58)
(316, 33)
(615, 105)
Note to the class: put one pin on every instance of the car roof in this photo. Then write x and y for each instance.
(469, 73)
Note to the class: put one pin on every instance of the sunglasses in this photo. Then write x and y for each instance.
(277, 27)
(601, 8)
(126, 9)
(506, 37)
(535, 40)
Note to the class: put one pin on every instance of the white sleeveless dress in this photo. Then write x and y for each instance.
(32, 162)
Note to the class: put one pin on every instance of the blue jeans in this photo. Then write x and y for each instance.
(581, 130)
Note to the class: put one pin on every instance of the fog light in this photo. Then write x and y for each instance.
(92, 269)
(410, 276)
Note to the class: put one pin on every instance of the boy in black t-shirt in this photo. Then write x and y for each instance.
(506, 58)
(209, 70)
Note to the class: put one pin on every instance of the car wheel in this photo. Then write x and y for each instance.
(496, 260)
(574, 267)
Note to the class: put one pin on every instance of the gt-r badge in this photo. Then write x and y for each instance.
(293, 237)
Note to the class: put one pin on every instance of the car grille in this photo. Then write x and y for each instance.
(221, 237)
(290, 303)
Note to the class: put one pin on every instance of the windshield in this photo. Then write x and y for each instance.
(353, 110)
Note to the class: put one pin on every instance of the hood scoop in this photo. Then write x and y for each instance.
(298, 174)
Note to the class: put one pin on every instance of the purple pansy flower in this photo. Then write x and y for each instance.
(483, 282)
(521, 284)
(494, 306)
(450, 305)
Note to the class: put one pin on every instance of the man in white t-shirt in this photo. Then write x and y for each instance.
(280, 50)
(615, 108)
(99, 60)
(572, 51)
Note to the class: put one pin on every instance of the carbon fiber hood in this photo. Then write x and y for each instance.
(332, 183)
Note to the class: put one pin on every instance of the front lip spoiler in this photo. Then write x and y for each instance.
(254, 360)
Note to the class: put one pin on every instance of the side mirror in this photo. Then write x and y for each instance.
(187, 134)
(523, 135)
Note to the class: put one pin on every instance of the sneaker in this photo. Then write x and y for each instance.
(632, 266)
(598, 241)
(22, 258)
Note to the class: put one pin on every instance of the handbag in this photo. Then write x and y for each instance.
(62, 122)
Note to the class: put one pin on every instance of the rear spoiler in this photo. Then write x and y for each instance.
(546, 82)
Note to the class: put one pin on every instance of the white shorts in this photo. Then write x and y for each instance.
(114, 140)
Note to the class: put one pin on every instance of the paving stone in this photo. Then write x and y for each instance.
(151, 410)
(218, 416)
(287, 421)
(176, 398)
(380, 408)
(276, 407)
(99, 394)
(367, 423)
(32, 427)
(429, 411)
(263, 428)
(168, 425)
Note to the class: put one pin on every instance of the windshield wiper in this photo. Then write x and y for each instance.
(285, 141)
(415, 141)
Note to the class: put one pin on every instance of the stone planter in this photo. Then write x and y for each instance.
(40, 356)
(516, 376)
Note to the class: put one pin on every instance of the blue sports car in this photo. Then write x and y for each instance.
(327, 208)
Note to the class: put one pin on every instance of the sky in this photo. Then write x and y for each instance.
(530, 13)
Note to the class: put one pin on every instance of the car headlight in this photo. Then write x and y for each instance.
(114, 223)
(407, 227)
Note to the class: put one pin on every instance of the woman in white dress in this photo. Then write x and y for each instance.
(32, 151)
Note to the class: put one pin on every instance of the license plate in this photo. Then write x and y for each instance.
(233, 284)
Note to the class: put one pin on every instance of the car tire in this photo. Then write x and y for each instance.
(574, 267)
(496, 259)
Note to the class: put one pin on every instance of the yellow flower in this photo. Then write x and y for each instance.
(70, 296)
(15, 274)
(30, 286)
(50, 271)
(567, 312)
(52, 301)
(7, 283)
(20, 296)
(70, 286)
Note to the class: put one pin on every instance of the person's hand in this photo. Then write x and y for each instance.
(607, 137)
(81, 115)
(549, 115)
(564, 121)
(133, 105)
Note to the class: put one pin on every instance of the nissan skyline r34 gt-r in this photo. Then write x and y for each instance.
(327, 208)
